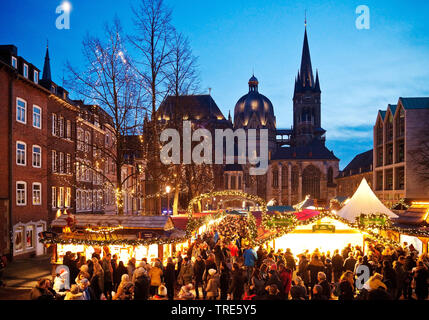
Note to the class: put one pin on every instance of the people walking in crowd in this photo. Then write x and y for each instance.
(222, 270)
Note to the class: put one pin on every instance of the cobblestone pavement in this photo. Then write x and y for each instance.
(21, 275)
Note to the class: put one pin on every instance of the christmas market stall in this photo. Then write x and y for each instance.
(126, 236)
(413, 225)
(362, 220)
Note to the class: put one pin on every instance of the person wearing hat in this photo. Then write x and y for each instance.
(86, 290)
(162, 293)
(74, 293)
(213, 285)
(185, 292)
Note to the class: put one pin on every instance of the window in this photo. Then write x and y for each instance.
(19, 239)
(21, 110)
(87, 141)
(68, 163)
(54, 197)
(21, 153)
(14, 62)
(88, 200)
(36, 76)
(37, 117)
(61, 127)
(275, 183)
(61, 197)
(37, 194)
(311, 182)
(25, 70)
(77, 200)
(80, 139)
(68, 129)
(54, 161)
(29, 237)
(68, 197)
(61, 162)
(54, 124)
(21, 193)
(37, 156)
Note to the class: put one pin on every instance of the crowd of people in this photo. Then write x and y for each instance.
(215, 269)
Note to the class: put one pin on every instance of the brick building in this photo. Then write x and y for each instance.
(61, 138)
(23, 141)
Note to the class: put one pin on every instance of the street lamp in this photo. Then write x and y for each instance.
(168, 189)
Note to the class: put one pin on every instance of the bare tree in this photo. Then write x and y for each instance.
(152, 43)
(109, 81)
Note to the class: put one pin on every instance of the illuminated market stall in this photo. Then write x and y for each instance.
(126, 236)
(362, 219)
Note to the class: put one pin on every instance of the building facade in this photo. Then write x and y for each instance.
(349, 179)
(23, 139)
(397, 134)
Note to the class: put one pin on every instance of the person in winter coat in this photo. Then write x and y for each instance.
(186, 272)
(74, 293)
(41, 291)
(125, 289)
(401, 277)
(420, 276)
(274, 278)
(337, 266)
(315, 266)
(199, 268)
(97, 279)
(233, 249)
(83, 274)
(236, 288)
(318, 293)
(258, 283)
(298, 290)
(213, 285)
(218, 252)
(286, 279)
(141, 285)
(389, 277)
(346, 287)
(87, 292)
(131, 267)
(250, 258)
(349, 263)
(120, 270)
(290, 260)
(185, 292)
(323, 282)
(106, 264)
(170, 278)
(155, 274)
(302, 270)
(224, 279)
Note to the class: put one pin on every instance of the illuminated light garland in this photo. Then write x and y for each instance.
(103, 229)
(369, 233)
(400, 202)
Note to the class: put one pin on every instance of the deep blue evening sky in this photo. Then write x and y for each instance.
(360, 71)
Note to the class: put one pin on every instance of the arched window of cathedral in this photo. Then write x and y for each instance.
(285, 177)
(275, 178)
(330, 176)
(311, 182)
(295, 179)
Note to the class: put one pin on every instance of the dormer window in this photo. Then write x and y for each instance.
(14, 62)
(54, 89)
(25, 70)
(36, 76)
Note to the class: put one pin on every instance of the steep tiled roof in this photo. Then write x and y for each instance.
(315, 150)
(131, 222)
(361, 163)
(415, 103)
(193, 106)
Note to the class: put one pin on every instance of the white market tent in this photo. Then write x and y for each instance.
(363, 201)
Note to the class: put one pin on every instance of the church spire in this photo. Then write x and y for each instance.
(47, 66)
(306, 71)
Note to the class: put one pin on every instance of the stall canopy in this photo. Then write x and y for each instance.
(364, 201)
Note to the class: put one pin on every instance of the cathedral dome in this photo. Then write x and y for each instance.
(254, 110)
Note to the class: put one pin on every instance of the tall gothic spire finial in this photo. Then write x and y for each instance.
(47, 66)
(305, 19)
